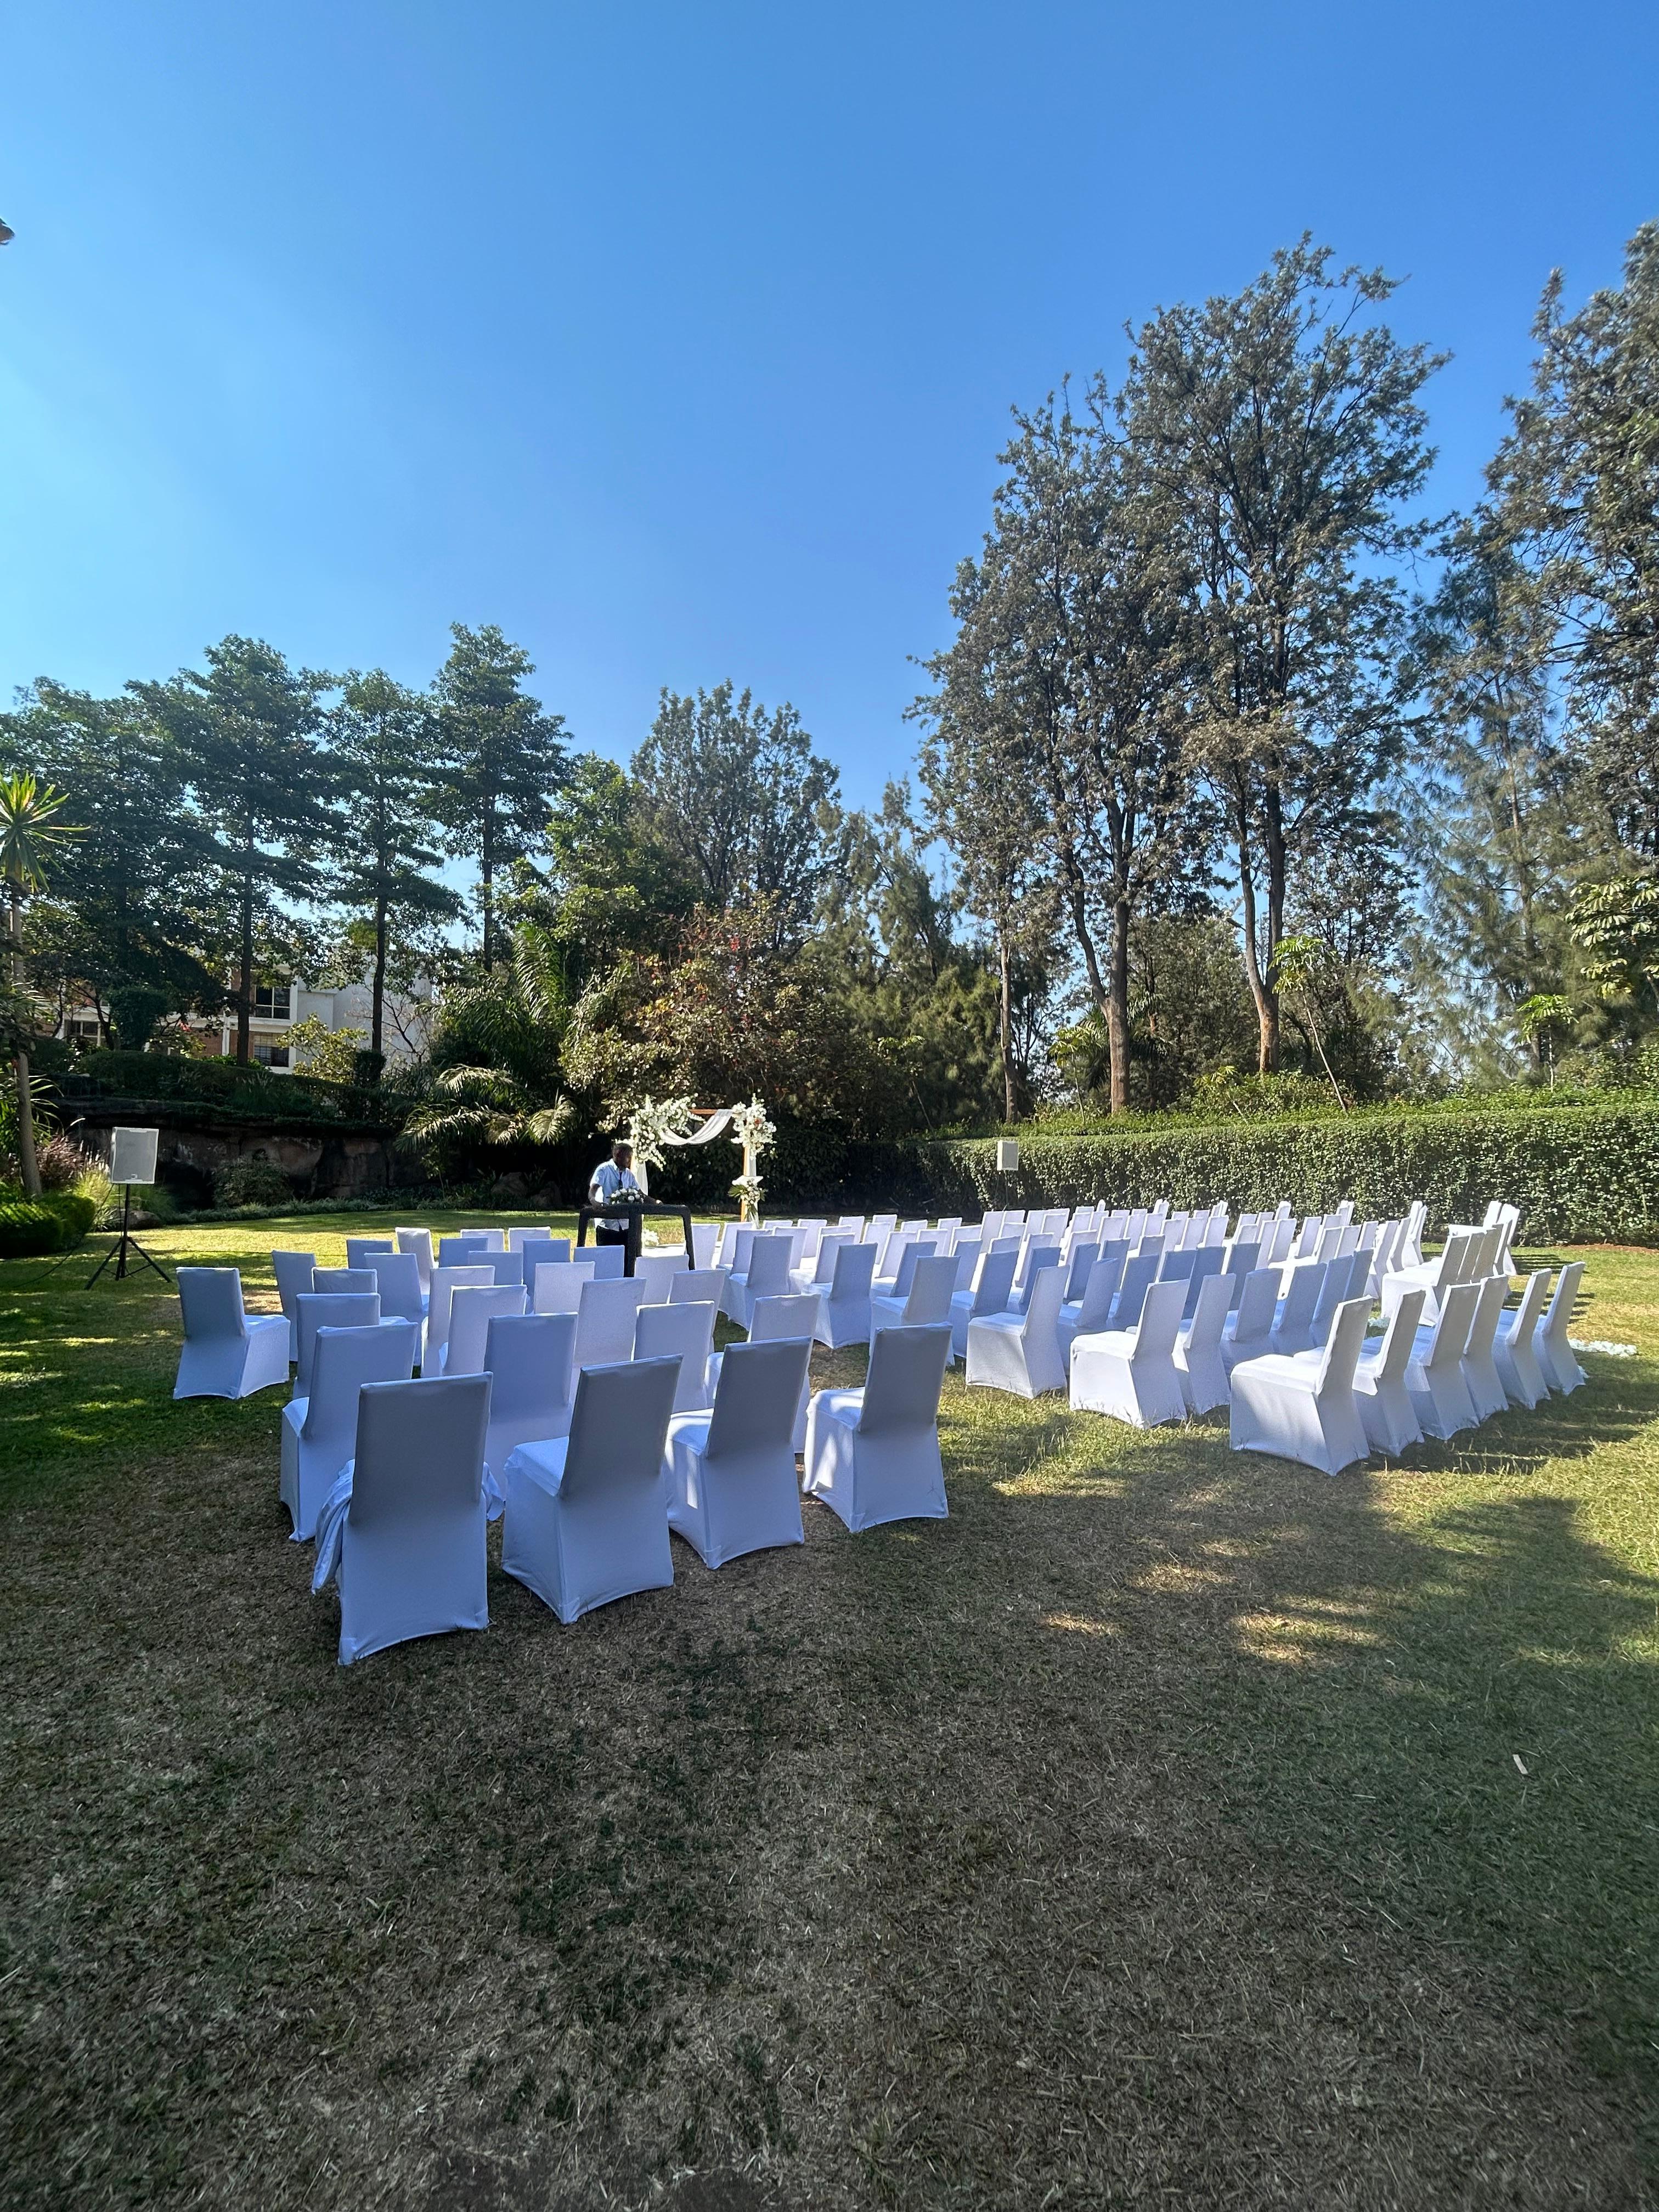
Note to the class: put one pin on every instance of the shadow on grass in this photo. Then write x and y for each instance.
(1150, 1830)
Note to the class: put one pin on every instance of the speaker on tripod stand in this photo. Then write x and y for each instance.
(132, 1161)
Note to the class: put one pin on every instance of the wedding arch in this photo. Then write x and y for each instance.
(656, 1123)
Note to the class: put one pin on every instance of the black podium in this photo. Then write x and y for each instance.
(628, 1214)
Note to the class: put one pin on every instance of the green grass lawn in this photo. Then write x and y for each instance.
(1165, 1828)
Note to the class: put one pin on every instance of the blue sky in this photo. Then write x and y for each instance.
(680, 340)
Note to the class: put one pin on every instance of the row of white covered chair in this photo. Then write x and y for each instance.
(586, 1514)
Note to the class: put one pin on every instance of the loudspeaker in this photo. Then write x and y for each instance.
(132, 1155)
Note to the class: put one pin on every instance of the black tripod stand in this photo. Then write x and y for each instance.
(125, 1242)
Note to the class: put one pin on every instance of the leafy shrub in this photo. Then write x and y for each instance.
(222, 1083)
(61, 1162)
(1578, 1170)
(252, 1182)
(30, 1226)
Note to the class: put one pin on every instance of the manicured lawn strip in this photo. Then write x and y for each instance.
(1152, 1829)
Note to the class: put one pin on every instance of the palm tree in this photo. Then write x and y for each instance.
(499, 1075)
(29, 834)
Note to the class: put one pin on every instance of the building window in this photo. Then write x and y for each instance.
(84, 1029)
(271, 1003)
(271, 1056)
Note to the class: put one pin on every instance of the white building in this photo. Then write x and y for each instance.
(407, 1019)
(278, 1009)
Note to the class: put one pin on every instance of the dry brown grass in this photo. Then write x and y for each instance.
(1148, 1833)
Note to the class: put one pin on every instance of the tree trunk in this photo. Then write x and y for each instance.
(1117, 1008)
(245, 983)
(1077, 900)
(1007, 1010)
(1265, 997)
(378, 1006)
(487, 884)
(26, 1160)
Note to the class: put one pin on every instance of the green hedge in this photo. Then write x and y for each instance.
(224, 1086)
(30, 1226)
(1583, 1171)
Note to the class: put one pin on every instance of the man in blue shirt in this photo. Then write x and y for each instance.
(613, 1179)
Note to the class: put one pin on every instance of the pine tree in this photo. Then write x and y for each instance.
(383, 854)
(245, 729)
(501, 760)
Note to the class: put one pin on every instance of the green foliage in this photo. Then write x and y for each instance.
(1572, 504)
(500, 759)
(134, 1010)
(252, 1182)
(226, 1086)
(331, 1055)
(740, 798)
(51, 1223)
(499, 1077)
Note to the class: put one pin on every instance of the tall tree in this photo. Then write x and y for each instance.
(1281, 435)
(502, 758)
(984, 807)
(384, 855)
(743, 802)
(1575, 503)
(246, 729)
(30, 833)
(1071, 620)
(132, 887)
(1496, 815)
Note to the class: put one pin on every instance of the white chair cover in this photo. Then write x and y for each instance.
(731, 1473)
(685, 1332)
(293, 1271)
(320, 1432)
(456, 1250)
(1197, 1355)
(1379, 1382)
(542, 1252)
(531, 1362)
(1303, 1406)
(844, 1302)
(227, 1353)
(1019, 1352)
(472, 1310)
(604, 1321)
(517, 1238)
(336, 1280)
(1131, 1373)
(402, 1530)
(397, 1283)
(1517, 1360)
(446, 1281)
(361, 1251)
(1092, 1312)
(586, 1518)
(765, 1275)
(1434, 1373)
(1480, 1367)
(558, 1287)
(788, 1320)
(873, 1454)
(419, 1242)
(1293, 1330)
(1550, 1344)
(654, 1272)
(329, 1310)
(696, 1287)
